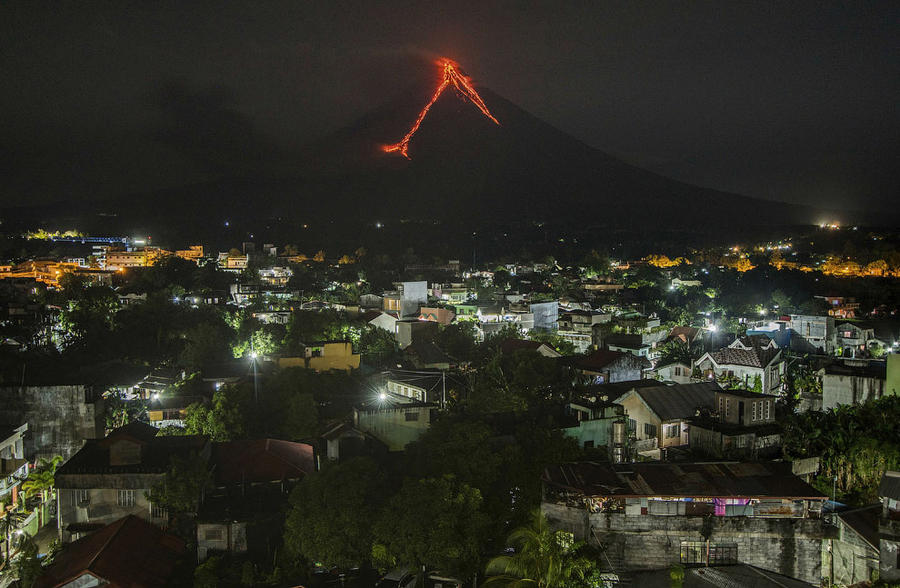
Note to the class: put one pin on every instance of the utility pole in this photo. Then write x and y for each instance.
(443, 390)
(255, 378)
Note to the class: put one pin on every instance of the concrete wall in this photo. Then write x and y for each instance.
(228, 537)
(395, 426)
(840, 389)
(848, 559)
(59, 418)
(792, 547)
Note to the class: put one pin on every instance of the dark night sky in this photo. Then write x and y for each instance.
(792, 101)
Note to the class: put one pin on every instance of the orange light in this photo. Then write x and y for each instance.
(451, 76)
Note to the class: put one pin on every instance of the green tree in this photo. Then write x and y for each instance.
(543, 558)
(437, 523)
(326, 521)
(376, 346)
(27, 566)
(181, 491)
(228, 418)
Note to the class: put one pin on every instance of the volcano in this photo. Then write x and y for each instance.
(463, 159)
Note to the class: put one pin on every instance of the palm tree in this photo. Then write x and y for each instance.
(543, 558)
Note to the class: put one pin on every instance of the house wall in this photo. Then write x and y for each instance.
(841, 389)
(59, 418)
(848, 557)
(669, 373)
(788, 546)
(680, 439)
(228, 537)
(102, 507)
(595, 432)
(395, 426)
(636, 410)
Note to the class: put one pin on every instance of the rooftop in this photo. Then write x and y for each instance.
(688, 480)
(262, 460)
(860, 368)
(128, 552)
(679, 401)
(755, 357)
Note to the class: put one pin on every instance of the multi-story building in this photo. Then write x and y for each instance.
(741, 425)
(657, 515)
(817, 330)
(110, 478)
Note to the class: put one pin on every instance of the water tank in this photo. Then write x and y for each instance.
(620, 432)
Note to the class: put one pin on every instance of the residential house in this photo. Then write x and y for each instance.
(577, 327)
(673, 371)
(855, 340)
(426, 355)
(819, 331)
(685, 335)
(442, 316)
(251, 482)
(126, 552)
(382, 320)
(592, 423)
(170, 411)
(659, 416)
(13, 465)
(111, 477)
(852, 381)
(421, 386)
(396, 421)
(604, 366)
(324, 356)
(889, 527)
(411, 331)
(454, 293)
(344, 441)
(658, 515)
(514, 345)
(840, 307)
(741, 425)
(757, 368)
(629, 343)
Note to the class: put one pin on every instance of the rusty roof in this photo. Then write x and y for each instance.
(688, 480)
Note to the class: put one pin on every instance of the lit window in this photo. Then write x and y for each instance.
(82, 496)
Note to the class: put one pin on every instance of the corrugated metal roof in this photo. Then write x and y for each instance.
(890, 485)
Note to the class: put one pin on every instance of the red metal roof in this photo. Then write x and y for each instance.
(263, 460)
(128, 552)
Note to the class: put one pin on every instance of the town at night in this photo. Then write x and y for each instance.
(461, 295)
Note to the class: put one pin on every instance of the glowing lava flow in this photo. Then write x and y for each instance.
(451, 77)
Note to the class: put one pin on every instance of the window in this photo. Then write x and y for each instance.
(213, 535)
(649, 430)
(672, 431)
(158, 512)
(753, 412)
(589, 444)
(677, 370)
(727, 406)
(694, 552)
(768, 409)
(125, 498)
(82, 496)
(632, 425)
(412, 416)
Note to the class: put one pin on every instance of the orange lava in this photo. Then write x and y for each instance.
(451, 77)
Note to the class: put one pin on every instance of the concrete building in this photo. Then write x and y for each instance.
(395, 421)
(577, 327)
(59, 418)
(659, 416)
(852, 382)
(742, 426)
(852, 556)
(323, 356)
(818, 331)
(656, 515)
(604, 366)
(110, 478)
